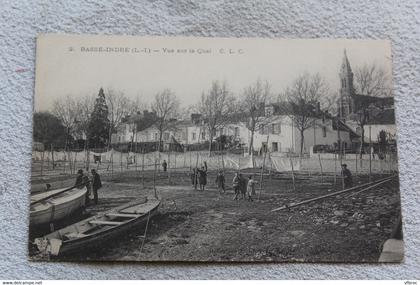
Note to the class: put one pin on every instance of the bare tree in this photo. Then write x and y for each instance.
(136, 107)
(119, 107)
(66, 110)
(84, 107)
(254, 99)
(300, 101)
(166, 107)
(217, 108)
(372, 80)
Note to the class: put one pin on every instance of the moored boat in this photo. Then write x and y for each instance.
(50, 206)
(99, 228)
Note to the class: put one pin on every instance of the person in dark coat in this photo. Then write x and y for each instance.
(243, 183)
(235, 184)
(164, 165)
(220, 182)
(96, 185)
(202, 178)
(83, 181)
(194, 176)
(347, 177)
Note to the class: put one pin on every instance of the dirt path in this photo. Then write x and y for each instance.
(206, 226)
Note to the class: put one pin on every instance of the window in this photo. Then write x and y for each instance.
(166, 136)
(193, 136)
(324, 132)
(203, 135)
(261, 130)
(274, 146)
(276, 128)
(236, 131)
(156, 136)
(221, 131)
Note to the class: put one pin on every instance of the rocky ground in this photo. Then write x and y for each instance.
(208, 226)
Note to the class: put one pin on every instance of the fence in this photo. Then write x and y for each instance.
(60, 162)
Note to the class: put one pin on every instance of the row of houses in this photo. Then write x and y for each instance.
(275, 133)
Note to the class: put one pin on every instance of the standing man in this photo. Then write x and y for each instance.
(79, 179)
(251, 188)
(347, 177)
(96, 185)
(235, 184)
(83, 181)
(202, 179)
(243, 183)
(164, 165)
(220, 182)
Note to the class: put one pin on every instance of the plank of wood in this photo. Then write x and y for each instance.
(370, 186)
(109, 223)
(123, 215)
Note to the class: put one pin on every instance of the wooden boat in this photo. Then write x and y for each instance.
(50, 206)
(93, 231)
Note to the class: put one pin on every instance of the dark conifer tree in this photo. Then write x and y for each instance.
(99, 122)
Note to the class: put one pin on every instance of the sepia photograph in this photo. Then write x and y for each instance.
(214, 150)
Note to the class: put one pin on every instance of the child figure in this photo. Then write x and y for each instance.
(251, 188)
(220, 181)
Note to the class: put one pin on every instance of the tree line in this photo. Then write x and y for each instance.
(90, 121)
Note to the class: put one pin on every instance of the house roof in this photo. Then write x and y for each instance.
(384, 117)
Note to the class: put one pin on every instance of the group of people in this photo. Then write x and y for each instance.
(243, 188)
(93, 184)
(199, 177)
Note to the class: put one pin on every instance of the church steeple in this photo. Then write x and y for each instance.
(346, 89)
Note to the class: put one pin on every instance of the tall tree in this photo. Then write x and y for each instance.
(49, 130)
(254, 99)
(166, 108)
(372, 80)
(217, 107)
(66, 111)
(301, 99)
(99, 124)
(119, 107)
(85, 106)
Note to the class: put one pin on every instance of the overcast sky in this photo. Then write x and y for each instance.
(75, 65)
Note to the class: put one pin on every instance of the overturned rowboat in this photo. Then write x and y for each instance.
(50, 206)
(98, 229)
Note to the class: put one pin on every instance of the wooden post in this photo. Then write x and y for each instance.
(52, 157)
(185, 157)
(370, 154)
(169, 167)
(112, 162)
(293, 175)
(335, 168)
(223, 164)
(356, 164)
(271, 168)
(42, 162)
(142, 167)
(48, 160)
(190, 161)
(121, 165)
(320, 165)
(195, 173)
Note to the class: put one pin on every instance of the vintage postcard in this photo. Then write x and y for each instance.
(214, 149)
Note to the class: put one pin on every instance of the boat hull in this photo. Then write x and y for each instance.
(58, 207)
(51, 244)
